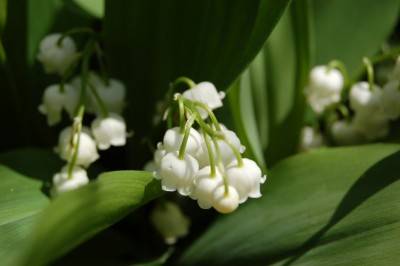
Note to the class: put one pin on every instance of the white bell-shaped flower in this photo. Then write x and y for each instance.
(62, 182)
(204, 187)
(364, 99)
(206, 93)
(371, 125)
(324, 88)
(57, 58)
(112, 94)
(225, 202)
(87, 152)
(246, 179)
(310, 138)
(344, 133)
(178, 174)
(227, 155)
(173, 138)
(391, 99)
(109, 131)
(54, 101)
(170, 221)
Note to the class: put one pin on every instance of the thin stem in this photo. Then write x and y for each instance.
(188, 126)
(103, 108)
(210, 154)
(181, 114)
(221, 166)
(76, 131)
(184, 80)
(342, 68)
(103, 69)
(370, 72)
(213, 118)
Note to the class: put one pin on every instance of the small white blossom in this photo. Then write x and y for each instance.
(310, 139)
(112, 94)
(345, 133)
(57, 58)
(225, 202)
(173, 139)
(63, 183)
(109, 131)
(178, 174)
(391, 99)
(227, 155)
(364, 99)
(246, 179)
(169, 220)
(324, 88)
(204, 187)
(206, 93)
(87, 152)
(54, 101)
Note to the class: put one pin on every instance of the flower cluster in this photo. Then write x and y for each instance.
(89, 93)
(352, 113)
(205, 163)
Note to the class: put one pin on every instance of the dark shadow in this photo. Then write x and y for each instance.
(376, 178)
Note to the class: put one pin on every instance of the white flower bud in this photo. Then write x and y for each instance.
(324, 88)
(173, 139)
(62, 183)
(310, 139)
(246, 179)
(169, 220)
(57, 58)
(225, 202)
(178, 174)
(363, 99)
(344, 133)
(87, 152)
(54, 101)
(109, 131)
(371, 125)
(391, 99)
(204, 186)
(206, 93)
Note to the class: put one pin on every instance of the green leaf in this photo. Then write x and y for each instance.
(93, 7)
(21, 197)
(151, 43)
(331, 205)
(76, 216)
(348, 30)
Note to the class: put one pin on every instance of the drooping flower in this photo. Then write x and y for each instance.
(62, 182)
(365, 99)
(87, 152)
(173, 138)
(109, 131)
(246, 179)
(54, 101)
(57, 57)
(324, 88)
(178, 174)
(310, 138)
(206, 93)
(170, 221)
(225, 202)
(204, 186)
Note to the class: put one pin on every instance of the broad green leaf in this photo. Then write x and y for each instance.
(348, 30)
(76, 216)
(94, 7)
(274, 82)
(327, 206)
(151, 43)
(21, 197)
